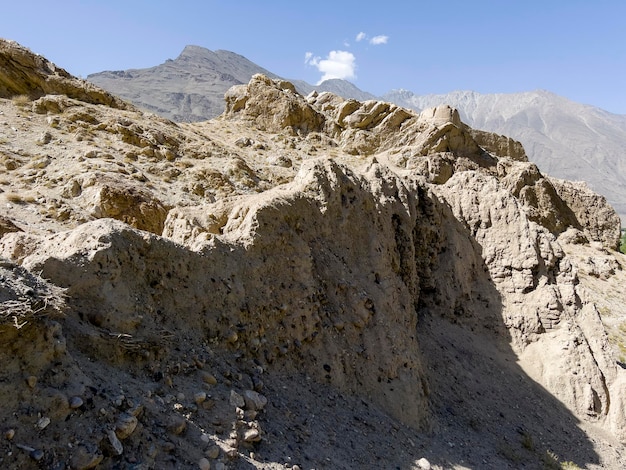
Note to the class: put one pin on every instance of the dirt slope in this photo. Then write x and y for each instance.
(301, 283)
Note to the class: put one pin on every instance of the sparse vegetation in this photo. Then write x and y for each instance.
(622, 245)
(21, 101)
(506, 450)
(550, 461)
(569, 466)
(19, 199)
(527, 441)
(37, 300)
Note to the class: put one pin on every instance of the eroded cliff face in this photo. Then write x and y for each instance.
(313, 243)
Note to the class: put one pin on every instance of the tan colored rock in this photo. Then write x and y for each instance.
(26, 73)
(441, 115)
(499, 145)
(599, 220)
(273, 106)
(136, 207)
(540, 198)
(402, 275)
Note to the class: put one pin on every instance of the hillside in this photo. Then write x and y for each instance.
(565, 139)
(188, 88)
(300, 283)
(192, 86)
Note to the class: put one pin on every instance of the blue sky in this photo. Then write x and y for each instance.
(574, 48)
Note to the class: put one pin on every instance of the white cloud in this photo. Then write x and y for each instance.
(360, 36)
(338, 64)
(377, 40)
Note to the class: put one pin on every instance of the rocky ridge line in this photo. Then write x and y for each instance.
(382, 264)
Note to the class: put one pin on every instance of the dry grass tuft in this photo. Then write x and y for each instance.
(21, 101)
(25, 297)
(19, 199)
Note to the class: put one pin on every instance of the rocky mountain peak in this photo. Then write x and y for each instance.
(312, 276)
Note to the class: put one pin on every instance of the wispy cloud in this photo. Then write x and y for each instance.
(377, 40)
(338, 64)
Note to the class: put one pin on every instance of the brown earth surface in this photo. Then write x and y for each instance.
(300, 283)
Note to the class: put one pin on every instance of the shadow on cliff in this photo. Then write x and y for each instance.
(361, 314)
(488, 413)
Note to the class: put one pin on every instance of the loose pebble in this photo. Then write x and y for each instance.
(9, 434)
(177, 425)
(115, 442)
(119, 400)
(423, 464)
(209, 378)
(125, 425)
(250, 415)
(85, 459)
(252, 435)
(76, 402)
(205, 438)
(204, 464)
(169, 447)
(254, 400)
(43, 422)
(220, 466)
(236, 399)
(213, 452)
(31, 381)
(136, 410)
(36, 454)
(199, 397)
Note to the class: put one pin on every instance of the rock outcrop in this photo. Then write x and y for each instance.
(287, 278)
(25, 73)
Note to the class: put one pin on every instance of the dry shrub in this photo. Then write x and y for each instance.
(25, 297)
(19, 199)
(21, 100)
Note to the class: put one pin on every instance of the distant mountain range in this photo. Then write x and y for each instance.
(192, 86)
(565, 139)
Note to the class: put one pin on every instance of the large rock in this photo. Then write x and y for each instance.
(26, 73)
(272, 105)
(600, 221)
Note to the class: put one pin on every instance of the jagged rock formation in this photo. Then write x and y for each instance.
(314, 277)
(565, 139)
(24, 73)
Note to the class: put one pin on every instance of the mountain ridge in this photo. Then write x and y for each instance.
(305, 282)
(565, 139)
(582, 142)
